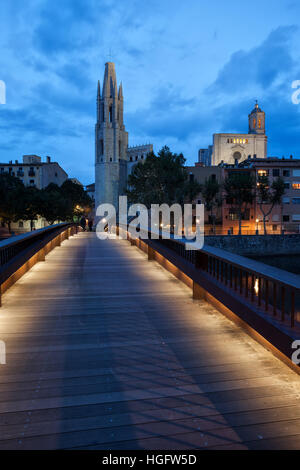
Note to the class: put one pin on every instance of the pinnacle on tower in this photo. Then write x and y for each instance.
(110, 81)
(120, 96)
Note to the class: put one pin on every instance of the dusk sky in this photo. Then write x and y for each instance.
(189, 69)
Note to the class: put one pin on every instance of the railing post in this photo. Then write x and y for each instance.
(150, 253)
(259, 291)
(292, 308)
(252, 287)
(201, 260)
(198, 292)
(282, 303)
(41, 255)
(274, 299)
(266, 295)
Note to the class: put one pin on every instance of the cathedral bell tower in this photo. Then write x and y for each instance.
(257, 118)
(111, 141)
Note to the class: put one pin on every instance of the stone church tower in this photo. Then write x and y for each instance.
(111, 141)
(257, 121)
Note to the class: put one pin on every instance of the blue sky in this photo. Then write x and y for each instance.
(189, 69)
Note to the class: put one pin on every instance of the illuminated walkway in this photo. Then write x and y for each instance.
(106, 350)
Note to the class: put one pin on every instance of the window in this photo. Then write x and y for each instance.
(296, 172)
(136, 158)
(296, 185)
(285, 200)
(276, 172)
(131, 159)
(101, 147)
(286, 218)
(275, 218)
(21, 225)
(254, 122)
(259, 123)
(233, 214)
(110, 114)
(262, 173)
(286, 173)
(296, 217)
(274, 228)
(296, 200)
(286, 185)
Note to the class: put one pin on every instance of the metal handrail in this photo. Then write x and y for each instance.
(266, 287)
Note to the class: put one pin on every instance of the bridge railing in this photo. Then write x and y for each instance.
(18, 254)
(262, 297)
(275, 291)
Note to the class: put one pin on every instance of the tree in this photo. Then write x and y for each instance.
(239, 191)
(268, 196)
(31, 204)
(11, 195)
(66, 202)
(52, 204)
(77, 200)
(161, 179)
(211, 195)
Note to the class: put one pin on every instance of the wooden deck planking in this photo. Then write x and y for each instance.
(107, 350)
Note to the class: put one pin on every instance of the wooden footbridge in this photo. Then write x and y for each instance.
(107, 350)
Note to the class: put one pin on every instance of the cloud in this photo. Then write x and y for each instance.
(259, 66)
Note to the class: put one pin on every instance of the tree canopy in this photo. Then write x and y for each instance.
(63, 203)
(239, 187)
(269, 195)
(161, 179)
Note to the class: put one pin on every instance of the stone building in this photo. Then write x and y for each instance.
(283, 217)
(114, 160)
(229, 148)
(33, 172)
(137, 154)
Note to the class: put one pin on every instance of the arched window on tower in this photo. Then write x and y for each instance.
(259, 123)
(254, 123)
(110, 114)
(101, 147)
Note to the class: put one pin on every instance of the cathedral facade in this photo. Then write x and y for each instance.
(114, 160)
(229, 148)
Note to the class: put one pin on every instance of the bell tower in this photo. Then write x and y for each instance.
(111, 141)
(257, 121)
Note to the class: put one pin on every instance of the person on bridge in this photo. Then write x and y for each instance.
(83, 223)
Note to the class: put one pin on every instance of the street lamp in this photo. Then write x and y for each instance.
(257, 220)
